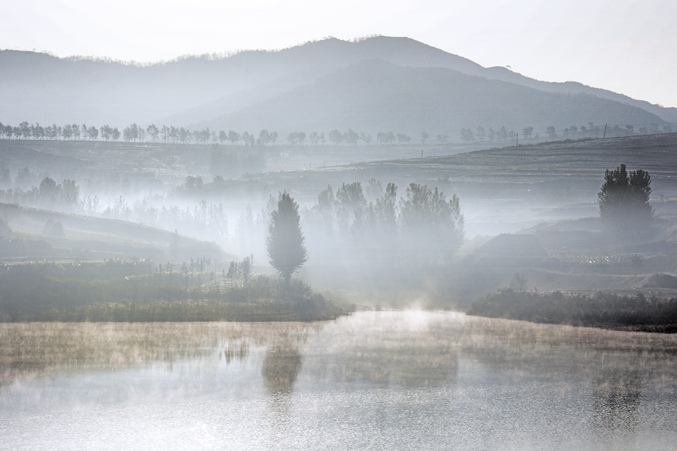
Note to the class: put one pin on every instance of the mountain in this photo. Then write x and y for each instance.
(572, 87)
(375, 84)
(377, 96)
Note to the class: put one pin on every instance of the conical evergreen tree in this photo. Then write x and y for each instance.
(286, 247)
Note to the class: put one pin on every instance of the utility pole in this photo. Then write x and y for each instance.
(517, 139)
(604, 135)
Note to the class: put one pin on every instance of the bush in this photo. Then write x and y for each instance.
(602, 309)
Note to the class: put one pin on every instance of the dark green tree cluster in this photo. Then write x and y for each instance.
(624, 200)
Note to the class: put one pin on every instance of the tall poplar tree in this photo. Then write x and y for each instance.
(286, 247)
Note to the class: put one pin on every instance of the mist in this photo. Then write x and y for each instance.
(430, 212)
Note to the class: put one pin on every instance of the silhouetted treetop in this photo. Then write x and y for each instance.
(624, 200)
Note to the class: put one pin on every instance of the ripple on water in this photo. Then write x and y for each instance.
(381, 380)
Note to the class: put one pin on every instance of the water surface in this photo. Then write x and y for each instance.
(379, 380)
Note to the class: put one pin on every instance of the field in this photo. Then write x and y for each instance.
(531, 214)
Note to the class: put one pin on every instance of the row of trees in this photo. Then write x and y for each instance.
(133, 133)
(482, 134)
(171, 134)
(422, 228)
(590, 130)
(353, 138)
(64, 195)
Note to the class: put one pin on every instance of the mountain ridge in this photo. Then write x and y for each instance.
(199, 90)
(413, 100)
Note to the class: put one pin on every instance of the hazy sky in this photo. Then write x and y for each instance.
(625, 46)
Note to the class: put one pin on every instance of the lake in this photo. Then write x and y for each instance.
(374, 380)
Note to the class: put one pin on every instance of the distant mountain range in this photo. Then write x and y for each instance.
(371, 85)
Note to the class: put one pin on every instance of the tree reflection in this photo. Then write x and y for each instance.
(616, 400)
(402, 366)
(281, 366)
(280, 369)
(387, 349)
(236, 349)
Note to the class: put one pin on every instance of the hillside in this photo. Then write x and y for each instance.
(37, 234)
(530, 209)
(225, 92)
(562, 168)
(375, 96)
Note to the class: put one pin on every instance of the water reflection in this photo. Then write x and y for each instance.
(236, 349)
(281, 366)
(616, 399)
(432, 380)
(379, 351)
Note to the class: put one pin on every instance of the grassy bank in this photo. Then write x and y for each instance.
(133, 293)
(604, 310)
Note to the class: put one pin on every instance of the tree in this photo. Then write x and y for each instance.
(69, 192)
(350, 205)
(296, 138)
(467, 135)
(93, 133)
(184, 134)
(153, 131)
(130, 133)
(25, 130)
(624, 200)
(248, 139)
(351, 137)
(552, 133)
(106, 132)
(402, 138)
(246, 268)
(48, 191)
(336, 137)
(316, 138)
(67, 131)
(432, 226)
(480, 133)
(383, 230)
(233, 137)
(286, 247)
(165, 131)
(385, 138)
(264, 137)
